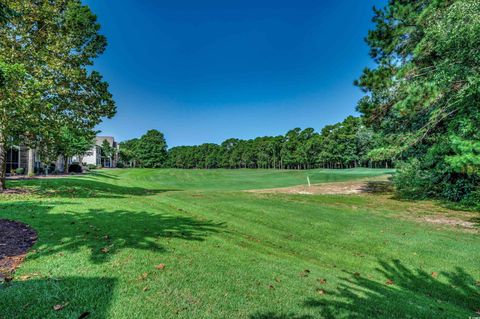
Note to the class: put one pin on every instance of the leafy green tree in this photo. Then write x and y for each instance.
(73, 142)
(47, 49)
(108, 151)
(289, 157)
(128, 152)
(423, 95)
(152, 149)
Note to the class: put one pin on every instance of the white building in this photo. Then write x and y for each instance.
(94, 156)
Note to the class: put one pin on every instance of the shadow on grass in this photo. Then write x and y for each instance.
(82, 187)
(104, 232)
(404, 293)
(36, 297)
(101, 174)
(378, 187)
(401, 293)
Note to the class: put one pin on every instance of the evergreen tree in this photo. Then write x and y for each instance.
(423, 95)
(152, 149)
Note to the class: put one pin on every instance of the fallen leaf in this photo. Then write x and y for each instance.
(434, 274)
(307, 271)
(322, 281)
(143, 276)
(145, 289)
(277, 279)
(477, 283)
(59, 306)
(104, 250)
(160, 266)
(321, 292)
(357, 274)
(389, 282)
(271, 287)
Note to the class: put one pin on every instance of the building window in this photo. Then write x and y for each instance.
(13, 157)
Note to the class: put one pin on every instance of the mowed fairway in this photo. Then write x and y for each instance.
(139, 243)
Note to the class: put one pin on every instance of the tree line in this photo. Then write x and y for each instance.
(343, 145)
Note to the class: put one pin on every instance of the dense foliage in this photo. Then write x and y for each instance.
(424, 95)
(107, 151)
(47, 49)
(342, 145)
(148, 151)
(71, 142)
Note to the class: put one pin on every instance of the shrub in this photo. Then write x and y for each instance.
(75, 168)
(419, 180)
(91, 166)
(51, 168)
(120, 165)
(460, 187)
(411, 181)
(20, 171)
(472, 200)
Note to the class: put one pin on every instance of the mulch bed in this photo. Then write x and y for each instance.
(15, 240)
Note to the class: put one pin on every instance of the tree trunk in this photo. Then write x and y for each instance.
(30, 168)
(65, 164)
(3, 163)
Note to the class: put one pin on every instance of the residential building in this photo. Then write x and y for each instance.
(17, 157)
(95, 156)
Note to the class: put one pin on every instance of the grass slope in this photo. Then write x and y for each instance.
(231, 254)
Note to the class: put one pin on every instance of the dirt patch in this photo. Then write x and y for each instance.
(440, 220)
(380, 186)
(15, 240)
(327, 189)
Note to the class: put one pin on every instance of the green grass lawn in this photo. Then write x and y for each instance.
(234, 254)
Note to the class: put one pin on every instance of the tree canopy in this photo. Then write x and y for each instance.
(107, 151)
(72, 142)
(423, 95)
(151, 149)
(47, 49)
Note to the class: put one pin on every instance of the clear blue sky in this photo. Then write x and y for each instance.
(204, 71)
